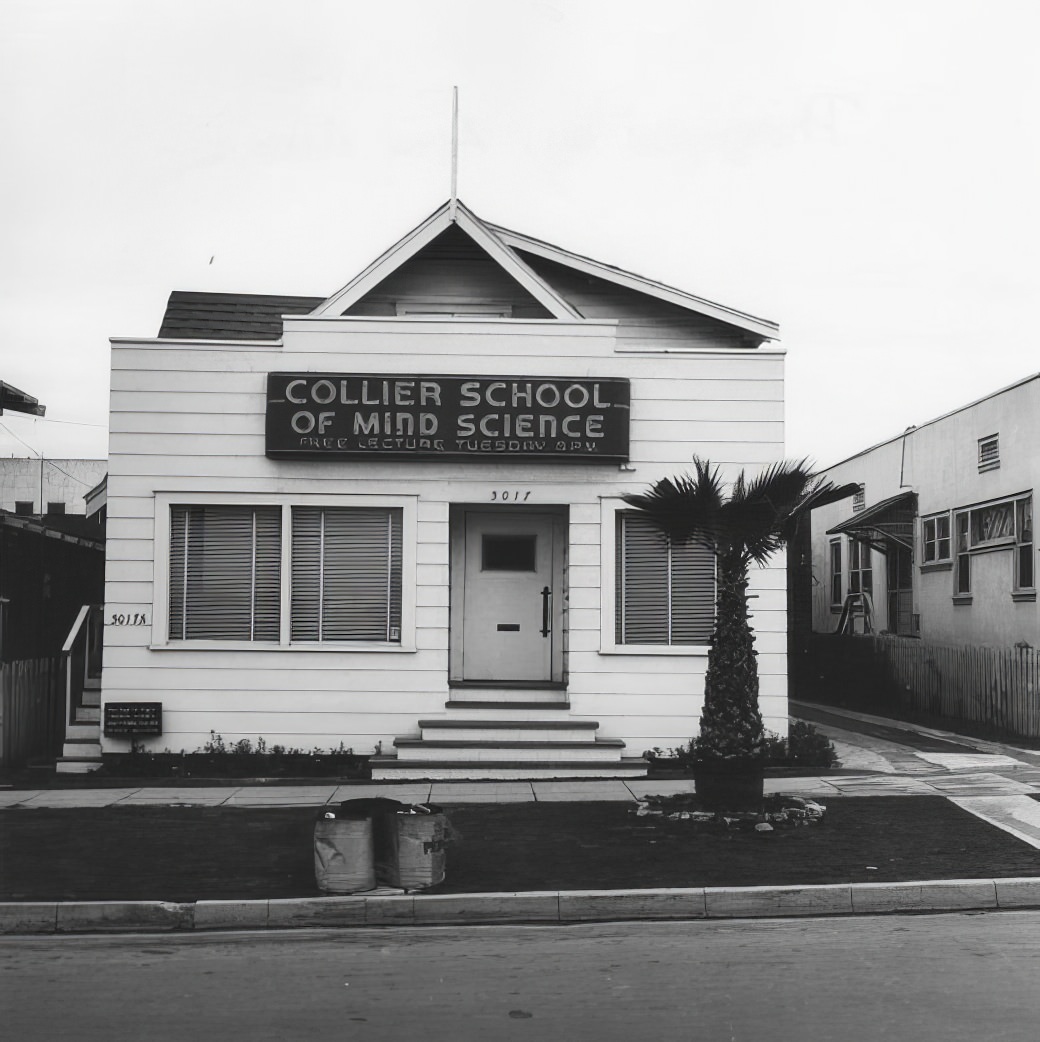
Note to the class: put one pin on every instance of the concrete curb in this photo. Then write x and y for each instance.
(564, 906)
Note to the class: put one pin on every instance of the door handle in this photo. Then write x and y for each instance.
(546, 614)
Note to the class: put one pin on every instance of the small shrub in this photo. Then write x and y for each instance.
(804, 747)
(219, 758)
(807, 747)
(216, 745)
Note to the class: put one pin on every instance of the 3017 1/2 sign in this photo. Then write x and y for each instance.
(352, 416)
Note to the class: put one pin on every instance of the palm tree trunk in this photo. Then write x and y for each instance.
(731, 722)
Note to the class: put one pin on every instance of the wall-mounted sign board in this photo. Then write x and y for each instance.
(352, 416)
(128, 719)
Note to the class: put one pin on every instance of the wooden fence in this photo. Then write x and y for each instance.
(998, 688)
(32, 710)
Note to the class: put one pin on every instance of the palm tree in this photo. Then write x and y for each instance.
(749, 524)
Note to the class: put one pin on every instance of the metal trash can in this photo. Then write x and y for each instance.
(410, 846)
(344, 848)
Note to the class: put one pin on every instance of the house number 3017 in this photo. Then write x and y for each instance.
(138, 618)
(510, 496)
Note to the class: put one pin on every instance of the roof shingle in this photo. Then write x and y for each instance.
(230, 316)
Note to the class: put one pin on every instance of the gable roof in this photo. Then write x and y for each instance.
(240, 316)
(507, 249)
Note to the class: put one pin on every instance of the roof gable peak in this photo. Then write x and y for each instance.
(453, 212)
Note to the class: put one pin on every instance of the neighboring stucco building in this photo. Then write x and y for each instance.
(391, 517)
(945, 522)
(939, 548)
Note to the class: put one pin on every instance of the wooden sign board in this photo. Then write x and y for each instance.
(458, 418)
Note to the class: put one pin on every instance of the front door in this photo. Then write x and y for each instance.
(899, 565)
(507, 603)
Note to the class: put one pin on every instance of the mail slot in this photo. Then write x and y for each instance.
(509, 627)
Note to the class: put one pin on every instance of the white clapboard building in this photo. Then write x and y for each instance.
(390, 518)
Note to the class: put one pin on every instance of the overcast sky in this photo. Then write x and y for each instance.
(865, 174)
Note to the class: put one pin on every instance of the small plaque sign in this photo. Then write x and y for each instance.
(132, 718)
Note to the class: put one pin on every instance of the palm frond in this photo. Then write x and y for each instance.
(757, 511)
(819, 494)
(686, 506)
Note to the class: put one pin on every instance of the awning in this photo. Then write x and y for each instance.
(888, 523)
(18, 401)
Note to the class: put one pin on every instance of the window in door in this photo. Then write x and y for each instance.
(861, 574)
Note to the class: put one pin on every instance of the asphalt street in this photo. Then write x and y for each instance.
(949, 977)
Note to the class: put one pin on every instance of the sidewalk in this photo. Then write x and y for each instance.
(994, 782)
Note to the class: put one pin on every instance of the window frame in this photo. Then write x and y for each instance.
(936, 539)
(860, 551)
(609, 509)
(836, 576)
(263, 551)
(1023, 547)
(164, 501)
(963, 524)
(962, 555)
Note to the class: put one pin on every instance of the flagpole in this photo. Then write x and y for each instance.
(454, 153)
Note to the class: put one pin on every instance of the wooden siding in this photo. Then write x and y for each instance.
(189, 419)
(32, 710)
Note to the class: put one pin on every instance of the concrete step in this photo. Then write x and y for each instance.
(84, 731)
(604, 750)
(489, 708)
(82, 748)
(88, 714)
(456, 729)
(91, 698)
(75, 765)
(391, 768)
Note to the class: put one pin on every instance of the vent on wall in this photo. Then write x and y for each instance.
(989, 452)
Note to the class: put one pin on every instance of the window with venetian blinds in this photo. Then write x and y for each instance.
(225, 573)
(346, 574)
(226, 570)
(664, 590)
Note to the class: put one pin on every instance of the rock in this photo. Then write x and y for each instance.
(763, 826)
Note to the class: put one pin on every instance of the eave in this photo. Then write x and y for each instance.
(760, 326)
